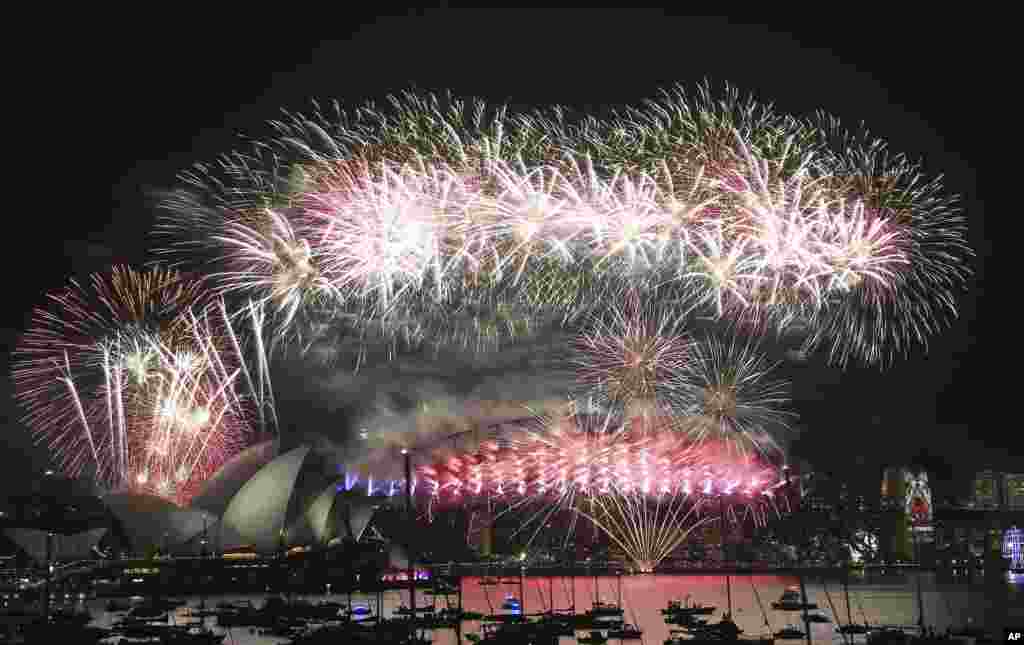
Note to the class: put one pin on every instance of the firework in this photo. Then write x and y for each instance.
(647, 528)
(591, 455)
(462, 134)
(734, 399)
(253, 247)
(266, 259)
(634, 363)
(645, 489)
(392, 236)
(720, 205)
(898, 207)
(132, 386)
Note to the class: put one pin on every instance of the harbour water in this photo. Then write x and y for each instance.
(875, 601)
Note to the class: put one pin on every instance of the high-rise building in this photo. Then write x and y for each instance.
(910, 492)
(917, 501)
(907, 505)
(892, 488)
(1013, 491)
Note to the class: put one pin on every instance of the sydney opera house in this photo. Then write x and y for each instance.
(264, 500)
(296, 491)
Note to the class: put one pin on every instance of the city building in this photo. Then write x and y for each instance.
(986, 490)
(992, 490)
(1014, 491)
(979, 529)
(1013, 548)
(907, 522)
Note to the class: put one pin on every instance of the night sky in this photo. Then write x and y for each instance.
(125, 110)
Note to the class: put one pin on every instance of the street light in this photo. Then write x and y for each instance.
(407, 454)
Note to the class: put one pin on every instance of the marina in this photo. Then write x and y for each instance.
(587, 607)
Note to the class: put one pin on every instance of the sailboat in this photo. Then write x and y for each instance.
(605, 609)
(792, 600)
(724, 631)
(850, 628)
(760, 605)
(687, 607)
(790, 632)
(627, 631)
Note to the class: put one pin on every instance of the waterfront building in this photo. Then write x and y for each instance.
(1013, 548)
(292, 502)
(218, 491)
(260, 502)
(149, 524)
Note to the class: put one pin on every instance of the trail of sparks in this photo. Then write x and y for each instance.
(136, 383)
(752, 217)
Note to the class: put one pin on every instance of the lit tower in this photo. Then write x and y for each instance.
(895, 490)
(1013, 548)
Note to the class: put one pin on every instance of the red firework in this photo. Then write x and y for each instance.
(581, 456)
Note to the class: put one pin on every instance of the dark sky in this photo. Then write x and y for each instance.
(124, 109)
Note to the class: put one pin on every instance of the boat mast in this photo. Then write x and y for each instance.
(728, 584)
(573, 584)
(860, 608)
(380, 606)
(803, 586)
(619, 580)
(846, 568)
(803, 600)
(828, 596)
(551, 592)
(846, 592)
(764, 613)
(458, 620)
(411, 518)
(728, 595)
(920, 595)
(522, 591)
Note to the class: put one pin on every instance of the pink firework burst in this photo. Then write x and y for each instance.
(647, 490)
(137, 391)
